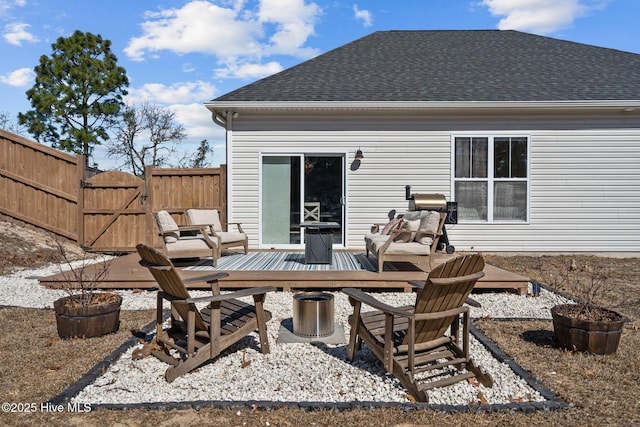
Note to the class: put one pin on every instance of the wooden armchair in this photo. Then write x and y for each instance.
(199, 335)
(414, 341)
(224, 238)
(417, 234)
(177, 241)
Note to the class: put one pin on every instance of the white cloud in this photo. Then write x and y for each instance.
(197, 121)
(182, 92)
(199, 26)
(248, 71)
(294, 21)
(187, 67)
(198, 124)
(186, 101)
(6, 5)
(231, 31)
(364, 15)
(540, 16)
(19, 77)
(16, 33)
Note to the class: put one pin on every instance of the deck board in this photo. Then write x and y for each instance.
(126, 273)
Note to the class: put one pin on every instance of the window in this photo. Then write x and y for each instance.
(491, 178)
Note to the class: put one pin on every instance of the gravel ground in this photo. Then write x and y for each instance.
(292, 372)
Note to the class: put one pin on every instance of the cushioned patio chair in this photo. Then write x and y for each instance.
(416, 234)
(224, 239)
(199, 335)
(420, 344)
(184, 241)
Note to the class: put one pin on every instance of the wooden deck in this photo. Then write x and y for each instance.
(125, 273)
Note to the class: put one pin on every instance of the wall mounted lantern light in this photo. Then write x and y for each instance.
(359, 155)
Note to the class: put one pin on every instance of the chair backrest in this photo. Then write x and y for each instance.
(167, 277)
(209, 217)
(437, 297)
(167, 226)
(311, 211)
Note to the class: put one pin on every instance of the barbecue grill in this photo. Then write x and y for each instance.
(435, 202)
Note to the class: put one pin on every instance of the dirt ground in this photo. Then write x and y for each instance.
(603, 390)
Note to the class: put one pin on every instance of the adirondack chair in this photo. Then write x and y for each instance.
(199, 335)
(413, 340)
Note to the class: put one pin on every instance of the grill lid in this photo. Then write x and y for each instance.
(431, 202)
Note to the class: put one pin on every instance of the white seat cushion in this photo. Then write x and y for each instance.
(231, 237)
(189, 243)
(375, 241)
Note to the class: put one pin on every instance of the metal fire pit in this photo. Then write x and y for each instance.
(313, 314)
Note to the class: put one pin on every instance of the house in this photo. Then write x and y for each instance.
(536, 139)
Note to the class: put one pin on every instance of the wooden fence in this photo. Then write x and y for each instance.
(109, 212)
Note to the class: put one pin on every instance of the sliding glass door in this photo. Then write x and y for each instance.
(300, 188)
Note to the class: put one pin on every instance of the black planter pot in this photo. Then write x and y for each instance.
(88, 321)
(591, 336)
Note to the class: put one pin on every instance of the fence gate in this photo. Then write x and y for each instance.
(113, 212)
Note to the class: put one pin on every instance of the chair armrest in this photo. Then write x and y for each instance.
(205, 278)
(386, 244)
(237, 224)
(170, 297)
(236, 294)
(200, 228)
(372, 302)
(207, 238)
(442, 314)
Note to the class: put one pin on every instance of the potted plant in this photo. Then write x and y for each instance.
(589, 324)
(85, 312)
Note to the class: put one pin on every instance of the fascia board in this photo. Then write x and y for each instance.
(239, 106)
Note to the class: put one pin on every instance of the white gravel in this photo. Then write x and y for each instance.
(291, 372)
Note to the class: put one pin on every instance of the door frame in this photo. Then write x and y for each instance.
(343, 155)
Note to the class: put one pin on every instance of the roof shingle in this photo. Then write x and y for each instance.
(485, 65)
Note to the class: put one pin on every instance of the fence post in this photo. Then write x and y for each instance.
(148, 206)
(80, 173)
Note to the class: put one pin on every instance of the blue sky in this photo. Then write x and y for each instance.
(179, 54)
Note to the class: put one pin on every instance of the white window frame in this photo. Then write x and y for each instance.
(490, 179)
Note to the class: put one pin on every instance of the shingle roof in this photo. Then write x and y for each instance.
(487, 65)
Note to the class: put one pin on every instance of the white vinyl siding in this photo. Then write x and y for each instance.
(584, 190)
(374, 189)
(584, 197)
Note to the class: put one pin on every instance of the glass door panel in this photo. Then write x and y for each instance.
(280, 199)
(323, 191)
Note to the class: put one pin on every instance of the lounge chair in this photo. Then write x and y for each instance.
(199, 335)
(415, 235)
(412, 341)
(184, 241)
(210, 219)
